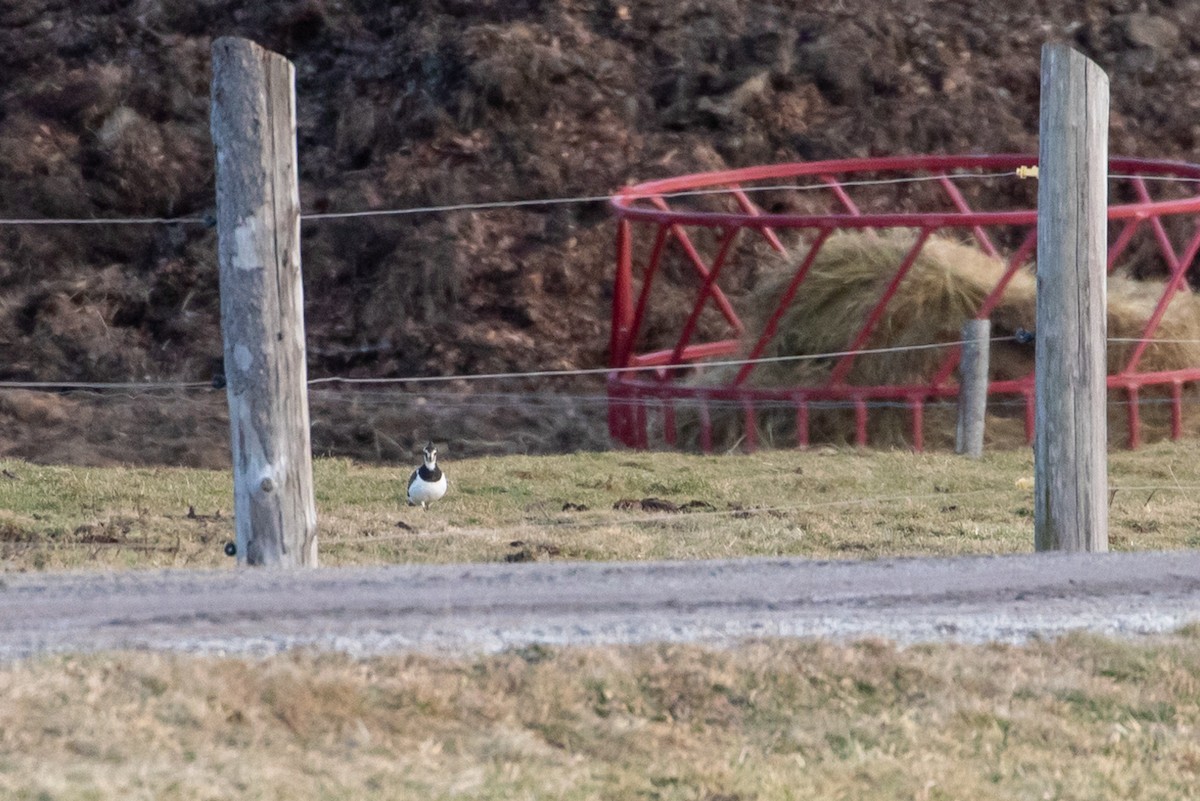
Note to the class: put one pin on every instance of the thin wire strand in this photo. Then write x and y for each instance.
(1155, 341)
(497, 204)
(641, 368)
(89, 546)
(563, 373)
(151, 386)
(522, 375)
(1183, 179)
(109, 221)
(502, 204)
(666, 195)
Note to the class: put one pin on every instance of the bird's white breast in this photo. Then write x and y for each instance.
(422, 491)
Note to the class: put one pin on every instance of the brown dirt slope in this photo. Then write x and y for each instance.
(104, 112)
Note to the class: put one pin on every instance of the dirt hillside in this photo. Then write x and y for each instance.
(104, 113)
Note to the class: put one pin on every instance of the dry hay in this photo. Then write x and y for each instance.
(946, 285)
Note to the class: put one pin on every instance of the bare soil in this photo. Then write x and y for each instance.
(104, 113)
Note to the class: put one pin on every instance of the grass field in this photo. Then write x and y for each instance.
(1075, 718)
(1078, 718)
(821, 503)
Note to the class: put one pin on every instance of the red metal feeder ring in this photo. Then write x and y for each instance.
(697, 219)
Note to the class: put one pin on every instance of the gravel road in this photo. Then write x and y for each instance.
(490, 607)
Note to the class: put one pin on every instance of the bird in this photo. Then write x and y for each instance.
(427, 483)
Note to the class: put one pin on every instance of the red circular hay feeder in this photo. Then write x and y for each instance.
(696, 227)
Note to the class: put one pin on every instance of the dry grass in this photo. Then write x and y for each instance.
(821, 503)
(1079, 718)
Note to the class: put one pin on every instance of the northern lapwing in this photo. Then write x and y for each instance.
(428, 482)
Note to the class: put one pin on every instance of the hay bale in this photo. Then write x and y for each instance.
(945, 286)
(1130, 304)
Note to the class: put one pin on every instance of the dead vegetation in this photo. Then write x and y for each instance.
(1079, 717)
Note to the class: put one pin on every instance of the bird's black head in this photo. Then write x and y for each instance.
(430, 454)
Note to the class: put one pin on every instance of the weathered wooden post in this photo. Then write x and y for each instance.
(1070, 442)
(973, 387)
(262, 308)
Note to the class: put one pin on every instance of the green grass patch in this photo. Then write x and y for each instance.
(824, 503)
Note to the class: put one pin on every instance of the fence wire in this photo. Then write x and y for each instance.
(331, 391)
(527, 375)
(210, 221)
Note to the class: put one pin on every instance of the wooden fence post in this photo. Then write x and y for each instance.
(973, 387)
(262, 305)
(1070, 443)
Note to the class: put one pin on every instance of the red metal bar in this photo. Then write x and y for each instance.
(842, 368)
(1018, 260)
(670, 434)
(616, 423)
(802, 424)
(885, 392)
(948, 219)
(949, 363)
(751, 424)
(840, 193)
(706, 289)
(1135, 418)
(1156, 378)
(639, 314)
(625, 200)
(1160, 233)
(750, 207)
(1122, 242)
(691, 353)
(860, 422)
(781, 308)
(917, 405)
(619, 413)
(1176, 409)
(622, 310)
(705, 427)
(846, 392)
(960, 203)
(698, 264)
(1178, 274)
